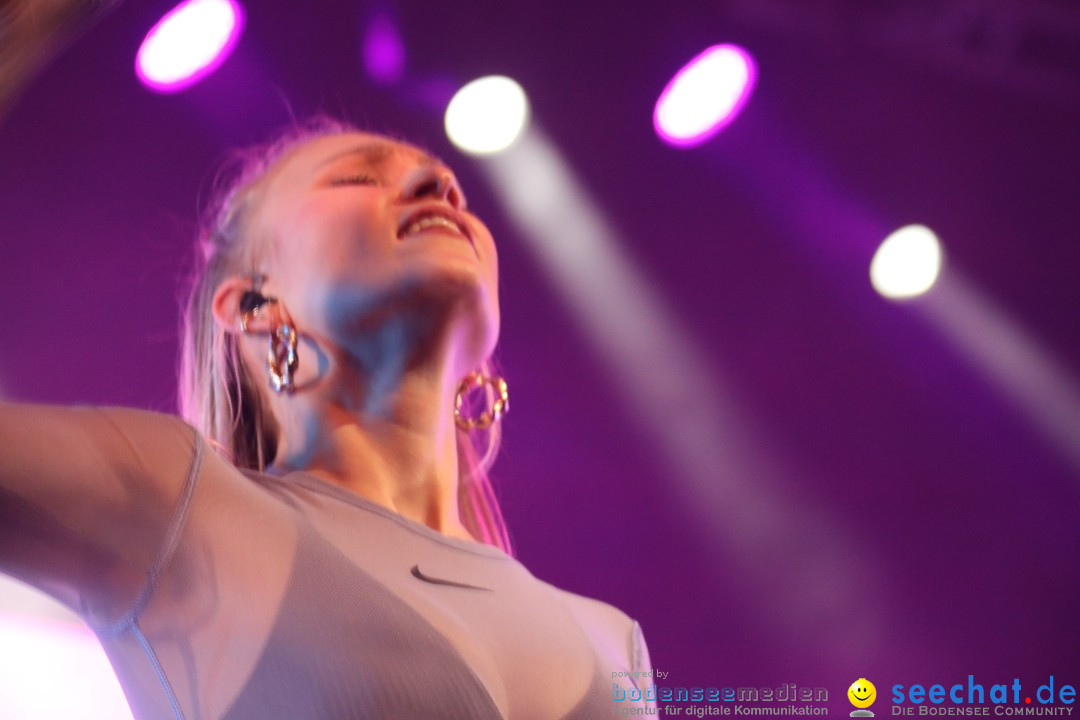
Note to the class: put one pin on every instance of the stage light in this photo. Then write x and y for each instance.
(53, 669)
(189, 43)
(679, 400)
(383, 51)
(705, 95)
(1012, 357)
(487, 115)
(907, 263)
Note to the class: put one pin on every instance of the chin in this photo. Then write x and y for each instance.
(458, 293)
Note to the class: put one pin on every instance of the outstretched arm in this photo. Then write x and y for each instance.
(86, 499)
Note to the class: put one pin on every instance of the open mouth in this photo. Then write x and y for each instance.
(433, 220)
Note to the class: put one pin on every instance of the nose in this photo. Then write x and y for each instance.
(436, 182)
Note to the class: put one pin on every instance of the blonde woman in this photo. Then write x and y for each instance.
(319, 538)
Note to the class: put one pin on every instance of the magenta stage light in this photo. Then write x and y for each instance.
(189, 43)
(705, 95)
(383, 51)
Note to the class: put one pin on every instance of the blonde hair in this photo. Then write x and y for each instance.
(219, 396)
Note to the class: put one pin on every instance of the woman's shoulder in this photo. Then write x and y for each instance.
(601, 619)
(142, 434)
(77, 442)
(96, 486)
(142, 420)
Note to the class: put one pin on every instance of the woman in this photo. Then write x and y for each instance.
(338, 553)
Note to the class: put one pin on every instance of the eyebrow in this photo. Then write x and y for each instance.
(377, 152)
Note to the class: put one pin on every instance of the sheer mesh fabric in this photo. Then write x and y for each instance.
(291, 598)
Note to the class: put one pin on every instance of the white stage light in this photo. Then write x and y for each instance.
(51, 665)
(907, 263)
(487, 115)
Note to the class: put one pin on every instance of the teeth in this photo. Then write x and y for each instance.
(431, 221)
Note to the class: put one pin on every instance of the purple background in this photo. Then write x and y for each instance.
(950, 518)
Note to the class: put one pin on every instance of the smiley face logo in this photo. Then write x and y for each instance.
(862, 693)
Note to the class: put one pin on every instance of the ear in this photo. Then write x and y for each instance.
(225, 305)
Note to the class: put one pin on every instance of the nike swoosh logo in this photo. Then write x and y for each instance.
(439, 581)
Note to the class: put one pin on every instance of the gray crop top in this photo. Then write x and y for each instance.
(290, 598)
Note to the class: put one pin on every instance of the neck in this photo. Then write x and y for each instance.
(379, 421)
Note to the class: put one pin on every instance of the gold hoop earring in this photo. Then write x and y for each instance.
(499, 408)
(282, 359)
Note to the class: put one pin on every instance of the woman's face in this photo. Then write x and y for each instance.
(357, 229)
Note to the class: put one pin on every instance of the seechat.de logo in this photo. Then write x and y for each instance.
(862, 695)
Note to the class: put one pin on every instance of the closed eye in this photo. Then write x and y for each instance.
(357, 179)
